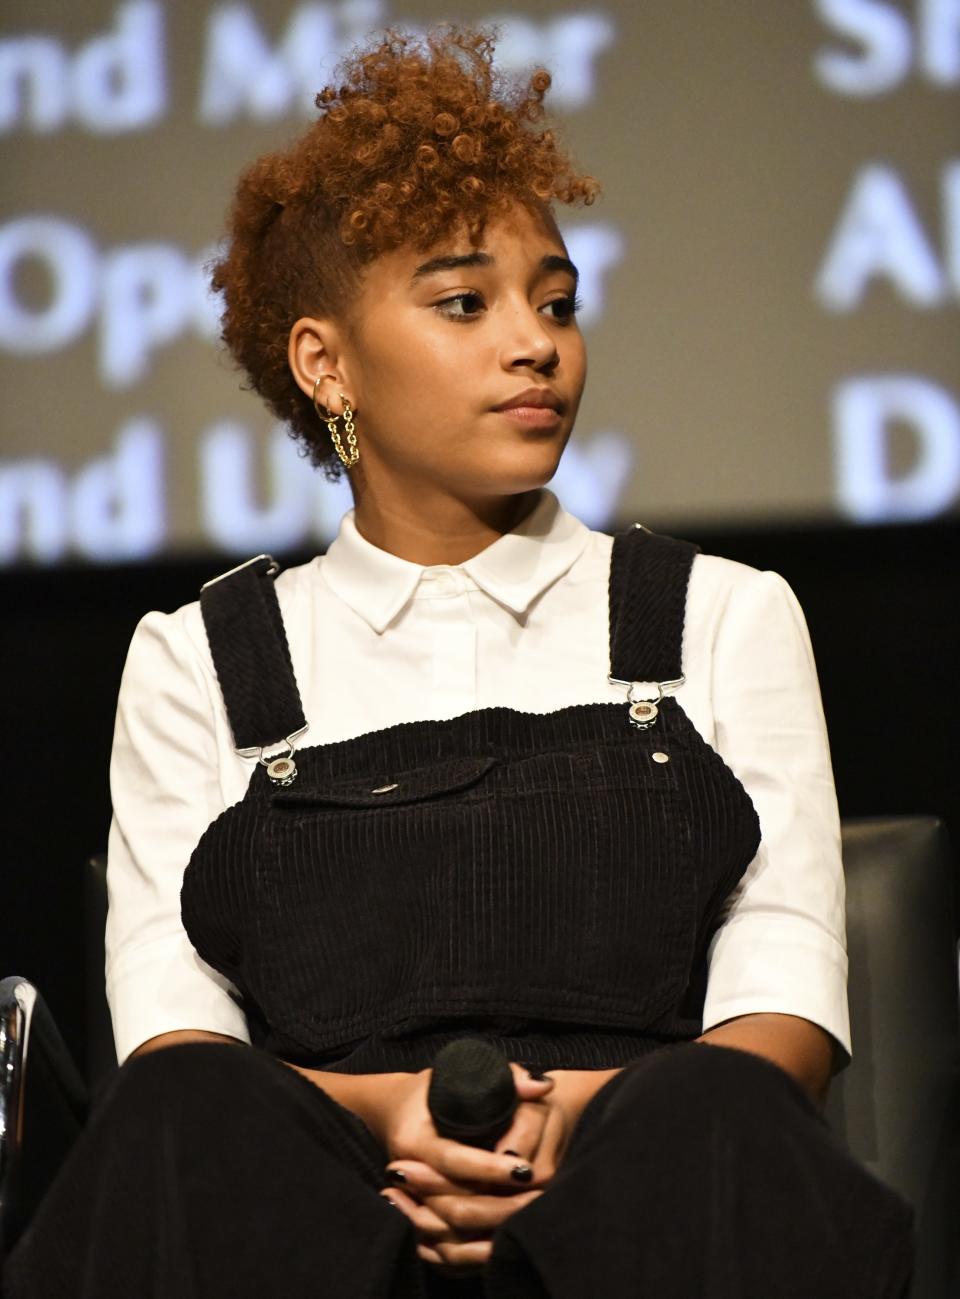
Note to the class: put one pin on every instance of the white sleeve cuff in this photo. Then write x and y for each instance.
(167, 988)
(778, 964)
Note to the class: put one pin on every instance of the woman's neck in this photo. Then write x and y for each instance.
(439, 531)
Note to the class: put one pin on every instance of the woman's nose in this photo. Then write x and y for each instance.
(527, 341)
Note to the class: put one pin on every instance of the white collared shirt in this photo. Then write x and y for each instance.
(376, 640)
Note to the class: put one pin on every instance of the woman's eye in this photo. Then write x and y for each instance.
(470, 304)
(565, 309)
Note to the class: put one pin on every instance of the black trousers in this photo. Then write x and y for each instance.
(214, 1172)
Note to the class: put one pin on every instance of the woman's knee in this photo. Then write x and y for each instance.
(696, 1085)
(234, 1098)
(158, 1068)
(202, 1076)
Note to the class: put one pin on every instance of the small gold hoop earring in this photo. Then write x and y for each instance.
(350, 454)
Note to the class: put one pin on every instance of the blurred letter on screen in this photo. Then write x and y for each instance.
(865, 411)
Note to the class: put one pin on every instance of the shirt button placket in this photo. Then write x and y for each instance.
(454, 643)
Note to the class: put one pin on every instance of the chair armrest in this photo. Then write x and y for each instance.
(46, 1127)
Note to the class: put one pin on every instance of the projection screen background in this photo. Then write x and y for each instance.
(771, 279)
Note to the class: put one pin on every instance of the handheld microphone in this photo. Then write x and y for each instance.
(472, 1096)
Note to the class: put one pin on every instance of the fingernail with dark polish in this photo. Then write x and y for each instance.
(397, 1175)
(522, 1173)
(537, 1075)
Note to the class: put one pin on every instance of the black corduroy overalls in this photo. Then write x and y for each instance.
(549, 881)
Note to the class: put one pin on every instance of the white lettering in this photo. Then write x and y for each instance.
(115, 82)
(573, 44)
(242, 74)
(205, 306)
(33, 83)
(883, 60)
(302, 502)
(113, 508)
(117, 502)
(594, 250)
(951, 209)
(890, 45)
(119, 80)
(245, 74)
(940, 41)
(359, 17)
(569, 46)
(147, 295)
(33, 514)
(865, 410)
(69, 258)
(879, 234)
(146, 300)
(592, 475)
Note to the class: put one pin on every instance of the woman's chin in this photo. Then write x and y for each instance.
(520, 469)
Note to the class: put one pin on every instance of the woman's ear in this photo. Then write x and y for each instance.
(312, 352)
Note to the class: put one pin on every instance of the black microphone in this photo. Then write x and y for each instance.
(472, 1096)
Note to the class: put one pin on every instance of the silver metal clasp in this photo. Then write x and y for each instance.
(644, 698)
(281, 767)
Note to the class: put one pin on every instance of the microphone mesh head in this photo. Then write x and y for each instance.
(471, 1089)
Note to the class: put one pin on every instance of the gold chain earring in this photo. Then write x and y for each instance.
(351, 454)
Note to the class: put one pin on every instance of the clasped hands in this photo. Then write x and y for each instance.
(456, 1195)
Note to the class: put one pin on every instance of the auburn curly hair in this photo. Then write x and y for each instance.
(418, 139)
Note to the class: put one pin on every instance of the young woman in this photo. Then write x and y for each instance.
(476, 771)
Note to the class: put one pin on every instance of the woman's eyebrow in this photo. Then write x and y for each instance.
(453, 262)
(554, 262)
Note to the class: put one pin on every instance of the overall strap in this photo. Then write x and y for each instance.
(648, 597)
(251, 656)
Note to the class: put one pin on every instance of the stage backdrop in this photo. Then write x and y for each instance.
(771, 280)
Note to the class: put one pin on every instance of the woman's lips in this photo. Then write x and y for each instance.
(535, 407)
(532, 416)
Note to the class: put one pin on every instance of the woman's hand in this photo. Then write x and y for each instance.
(457, 1196)
(479, 1189)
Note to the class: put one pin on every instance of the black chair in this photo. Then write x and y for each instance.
(35, 1137)
(897, 1106)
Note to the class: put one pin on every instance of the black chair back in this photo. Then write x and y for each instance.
(898, 1104)
(99, 1051)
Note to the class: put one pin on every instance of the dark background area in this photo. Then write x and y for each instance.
(883, 605)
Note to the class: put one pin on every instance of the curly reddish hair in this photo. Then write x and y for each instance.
(420, 138)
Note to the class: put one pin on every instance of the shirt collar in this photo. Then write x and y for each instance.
(513, 570)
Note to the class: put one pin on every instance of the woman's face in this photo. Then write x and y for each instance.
(442, 342)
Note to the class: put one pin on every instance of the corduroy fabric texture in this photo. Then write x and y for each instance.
(247, 637)
(648, 597)
(537, 879)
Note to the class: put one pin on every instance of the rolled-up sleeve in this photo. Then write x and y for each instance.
(165, 791)
(781, 946)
